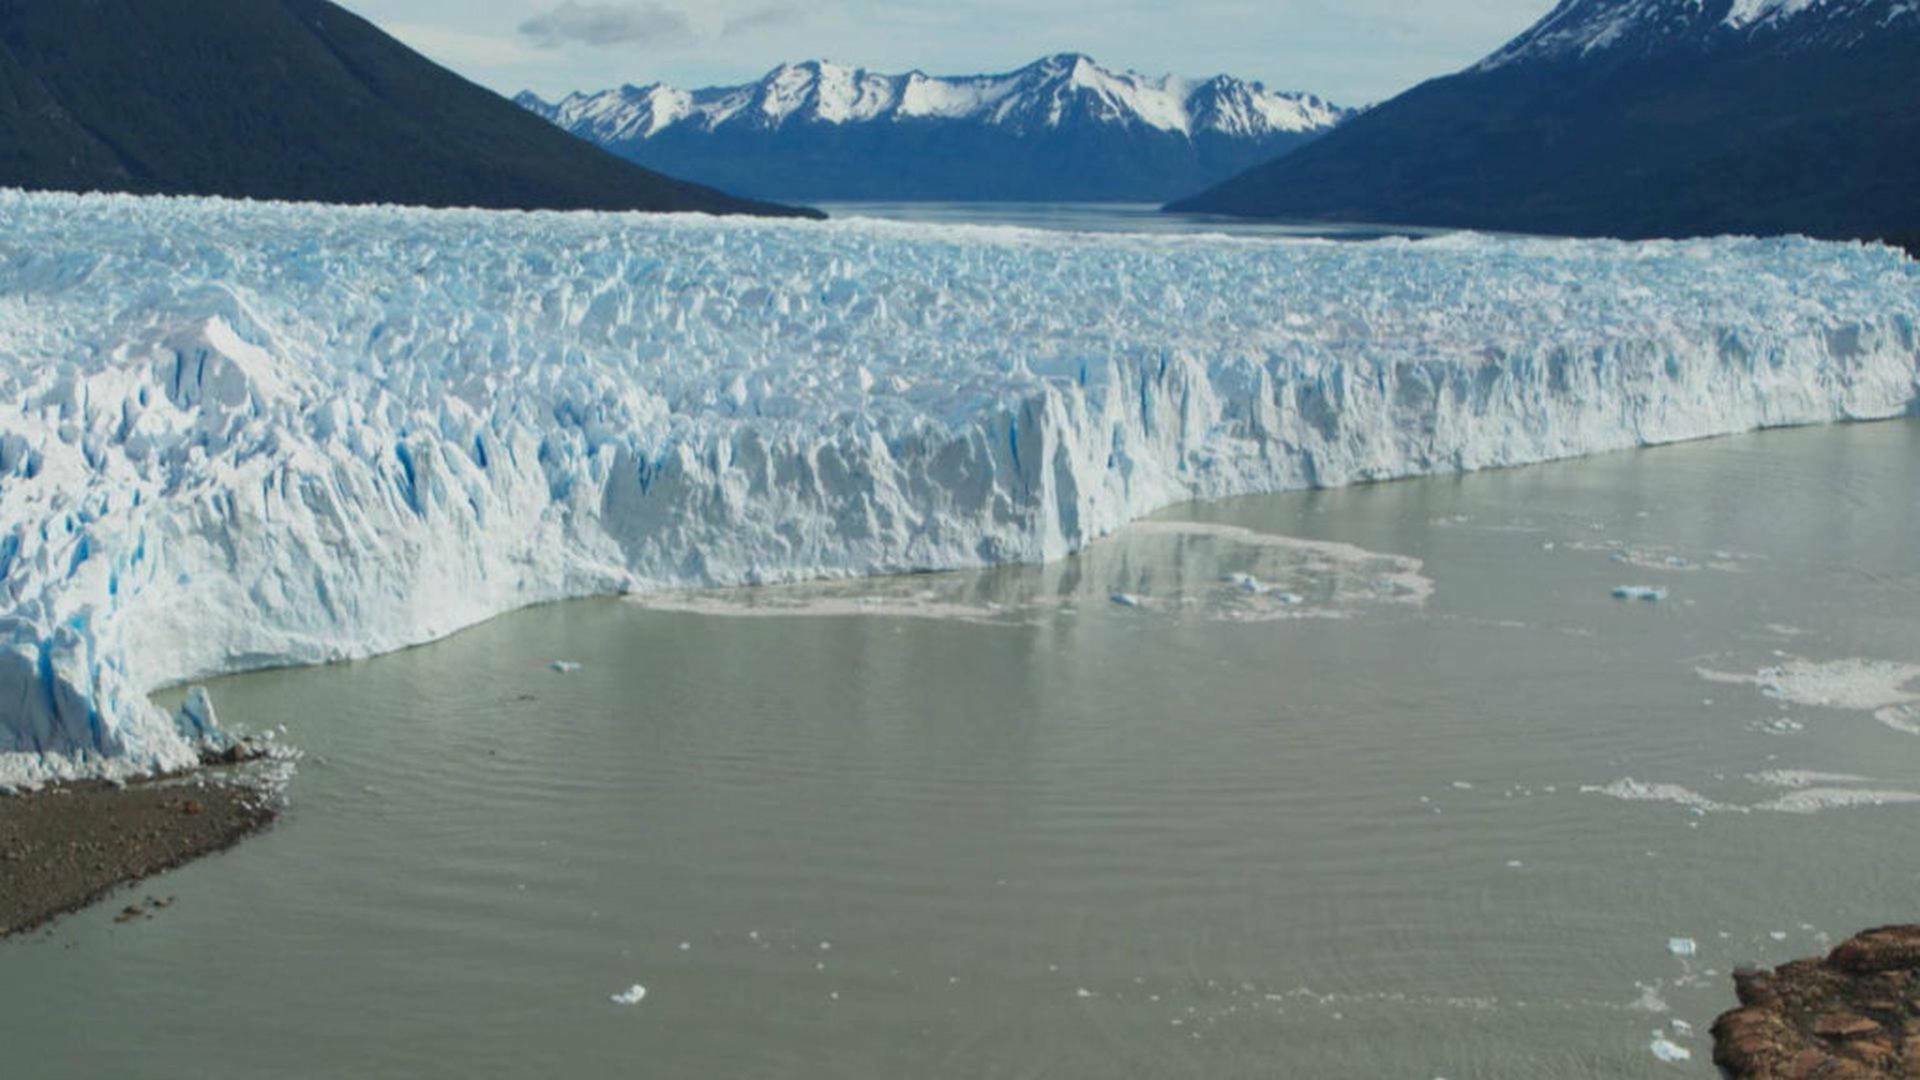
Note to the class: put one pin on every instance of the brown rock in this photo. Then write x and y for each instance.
(1852, 1016)
(1807, 1065)
(192, 808)
(1754, 986)
(1911, 1059)
(1839, 1025)
(1890, 948)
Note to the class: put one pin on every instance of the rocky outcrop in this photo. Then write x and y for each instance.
(1853, 1016)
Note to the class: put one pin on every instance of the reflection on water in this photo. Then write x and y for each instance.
(1155, 811)
(1192, 569)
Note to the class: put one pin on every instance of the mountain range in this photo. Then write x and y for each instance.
(1060, 129)
(282, 99)
(1637, 118)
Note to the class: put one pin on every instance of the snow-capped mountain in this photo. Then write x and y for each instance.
(1638, 118)
(1062, 128)
(1587, 29)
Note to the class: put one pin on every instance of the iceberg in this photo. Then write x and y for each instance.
(1669, 1051)
(238, 435)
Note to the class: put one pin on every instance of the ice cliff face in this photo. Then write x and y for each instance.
(237, 435)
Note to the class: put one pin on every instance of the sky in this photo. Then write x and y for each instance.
(1350, 51)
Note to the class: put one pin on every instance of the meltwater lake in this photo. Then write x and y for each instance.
(1378, 782)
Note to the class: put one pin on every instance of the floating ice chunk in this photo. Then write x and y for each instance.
(1804, 800)
(1671, 1052)
(1246, 583)
(1814, 800)
(1681, 946)
(1647, 560)
(1902, 718)
(1681, 1026)
(1127, 600)
(1083, 993)
(1650, 593)
(633, 995)
(1861, 685)
(1803, 778)
(566, 667)
(1650, 999)
(1631, 790)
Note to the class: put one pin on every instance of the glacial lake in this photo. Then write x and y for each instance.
(1112, 218)
(1321, 784)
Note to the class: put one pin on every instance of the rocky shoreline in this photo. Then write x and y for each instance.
(69, 846)
(1854, 1015)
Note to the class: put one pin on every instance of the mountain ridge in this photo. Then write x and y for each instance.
(1062, 127)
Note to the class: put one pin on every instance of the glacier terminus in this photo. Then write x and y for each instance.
(240, 435)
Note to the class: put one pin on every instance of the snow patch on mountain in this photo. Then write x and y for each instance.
(238, 435)
(1043, 95)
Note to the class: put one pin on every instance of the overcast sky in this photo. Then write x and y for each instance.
(1352, 51)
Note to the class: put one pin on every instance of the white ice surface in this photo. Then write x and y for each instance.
(237, 435)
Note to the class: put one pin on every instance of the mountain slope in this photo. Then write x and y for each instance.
(1060, 129)
(281, 99)
(1638, 118)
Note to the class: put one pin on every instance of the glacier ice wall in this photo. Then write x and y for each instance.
(238, 435)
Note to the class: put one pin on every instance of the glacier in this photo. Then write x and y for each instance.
(239, 435)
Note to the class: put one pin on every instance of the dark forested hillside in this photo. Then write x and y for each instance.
(1691, 123)
(282, 99)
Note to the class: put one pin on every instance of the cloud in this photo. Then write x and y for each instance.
(459, 49)
(766, 18)
(608, 24)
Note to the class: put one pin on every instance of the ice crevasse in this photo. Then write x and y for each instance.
(237, 435)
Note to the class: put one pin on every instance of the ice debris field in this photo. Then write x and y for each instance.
(239, 435)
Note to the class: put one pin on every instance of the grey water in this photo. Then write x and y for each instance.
(1114, 218)
(1285, 786)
